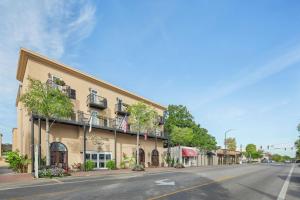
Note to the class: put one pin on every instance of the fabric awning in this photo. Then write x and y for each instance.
(188, 152)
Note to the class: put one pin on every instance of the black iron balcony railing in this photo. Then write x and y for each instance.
(96, 101)
(102, 122)
(121, 109)
(60, 85)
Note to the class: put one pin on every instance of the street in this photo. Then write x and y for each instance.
(261, 181)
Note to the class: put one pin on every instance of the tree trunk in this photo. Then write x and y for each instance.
(137, 148)
(47, 143)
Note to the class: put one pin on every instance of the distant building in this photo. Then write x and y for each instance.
(193, 157)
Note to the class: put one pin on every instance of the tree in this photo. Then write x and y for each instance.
(276, 157)
(181, 136)
(180, 120)
(250, 150)
(297, 146)
(142, 118)
(178, 115)
(202, 139)
(44, 100)
(231, 144)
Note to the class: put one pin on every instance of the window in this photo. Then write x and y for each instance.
(94, 118)
(72, 94)
(99, 158)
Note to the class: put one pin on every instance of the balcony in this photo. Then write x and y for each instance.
(60, 85)
(96, 101)
(80, 118)
(121, 109)
(161, 120)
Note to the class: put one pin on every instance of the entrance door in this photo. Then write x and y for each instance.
(93, 96)
(142, 156)
(155, 158)
(58, 155)
(95, 119)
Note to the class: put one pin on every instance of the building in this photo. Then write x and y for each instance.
(91, 97)
(192, 157)
(184, 155)
(226, 156)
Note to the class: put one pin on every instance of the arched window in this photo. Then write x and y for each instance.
(58, 146)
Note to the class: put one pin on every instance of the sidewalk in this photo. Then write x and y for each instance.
(120, 171)
(21, 180)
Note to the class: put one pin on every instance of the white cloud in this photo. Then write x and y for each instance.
(272, 67)
(49, 27)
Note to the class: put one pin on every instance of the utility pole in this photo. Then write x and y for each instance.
(115, 133)
(225, 144)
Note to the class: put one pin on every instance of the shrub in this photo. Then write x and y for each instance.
(17, 162)
(77, 166)
(111, 164)
(123, 164)
(137, 167)
(179, 165)
(52, 172)
(89, 165)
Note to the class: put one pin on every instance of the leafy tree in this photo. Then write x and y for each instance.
(142, 118)
(178, 115)
(297, 145)
(231, 143)
(44, 100)
(202, 139)
(181, 121)
(257, 154)
(181, 136)
(276, 157)
(250, 149)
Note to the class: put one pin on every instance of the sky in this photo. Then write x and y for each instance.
(234, 64)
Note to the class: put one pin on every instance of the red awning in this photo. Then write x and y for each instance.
(188, 152)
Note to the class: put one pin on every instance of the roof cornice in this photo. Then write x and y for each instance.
(25, 54)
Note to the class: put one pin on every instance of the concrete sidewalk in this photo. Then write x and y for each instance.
(13, 180)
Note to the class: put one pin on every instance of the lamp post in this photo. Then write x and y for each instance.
(225, 144)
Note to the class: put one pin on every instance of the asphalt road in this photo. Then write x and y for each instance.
(262, 181)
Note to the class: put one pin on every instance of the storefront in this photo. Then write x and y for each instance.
(99, 158)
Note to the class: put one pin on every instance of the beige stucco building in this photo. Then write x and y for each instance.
(90, 96)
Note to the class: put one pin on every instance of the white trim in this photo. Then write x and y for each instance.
(98, 160)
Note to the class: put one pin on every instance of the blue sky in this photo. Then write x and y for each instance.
(234, 64)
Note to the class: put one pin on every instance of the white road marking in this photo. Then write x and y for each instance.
(56, 180)
(164, 182)
(285, 186)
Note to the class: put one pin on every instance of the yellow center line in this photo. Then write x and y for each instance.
(193, 187)
(221, 179)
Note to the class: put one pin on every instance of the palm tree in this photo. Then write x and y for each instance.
(46, 101)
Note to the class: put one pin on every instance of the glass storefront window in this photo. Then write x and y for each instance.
(99, 158)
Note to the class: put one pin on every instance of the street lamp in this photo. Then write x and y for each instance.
(225, 143)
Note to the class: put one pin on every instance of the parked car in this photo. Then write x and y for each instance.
(297, 161)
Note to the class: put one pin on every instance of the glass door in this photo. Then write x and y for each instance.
(94, 96)
(95, 119)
